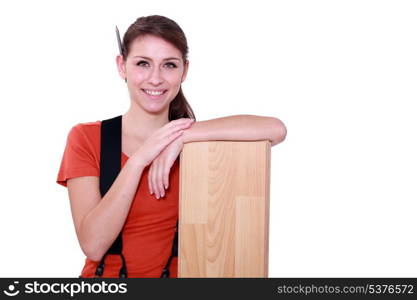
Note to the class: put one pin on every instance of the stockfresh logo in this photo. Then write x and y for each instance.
(72, 289)
(11, 290)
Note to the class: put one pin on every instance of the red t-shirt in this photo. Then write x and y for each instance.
(150, 225)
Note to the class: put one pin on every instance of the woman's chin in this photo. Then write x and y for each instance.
(155, 108)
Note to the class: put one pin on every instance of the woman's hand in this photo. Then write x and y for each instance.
(160, 139)
(158, 177)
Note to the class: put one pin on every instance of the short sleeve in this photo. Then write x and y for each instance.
(79, 158)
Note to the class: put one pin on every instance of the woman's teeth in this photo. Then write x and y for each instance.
(154, 93)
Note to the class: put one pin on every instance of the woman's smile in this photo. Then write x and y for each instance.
(154, 94)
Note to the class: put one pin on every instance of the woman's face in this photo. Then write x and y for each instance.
(154, 70)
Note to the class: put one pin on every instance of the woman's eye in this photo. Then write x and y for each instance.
(141, 63)
(172, 65)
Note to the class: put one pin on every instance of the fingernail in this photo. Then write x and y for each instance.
(157, 197)
(166, 186)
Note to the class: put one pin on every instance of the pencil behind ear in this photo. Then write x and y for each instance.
(119, 43)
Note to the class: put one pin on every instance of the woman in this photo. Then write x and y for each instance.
(154, 63)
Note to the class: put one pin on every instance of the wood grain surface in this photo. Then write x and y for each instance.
(224, 209)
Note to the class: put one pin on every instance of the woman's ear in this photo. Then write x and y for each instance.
(184, 75)
(121, 66)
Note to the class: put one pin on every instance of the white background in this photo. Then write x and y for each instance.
(340, 74)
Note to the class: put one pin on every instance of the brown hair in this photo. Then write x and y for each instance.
(167, 29)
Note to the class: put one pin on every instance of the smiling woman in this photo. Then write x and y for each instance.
(126, 231)
(154, 71)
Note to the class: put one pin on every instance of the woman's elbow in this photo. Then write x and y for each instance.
(279, 131)
(91, 250)
(93, 254)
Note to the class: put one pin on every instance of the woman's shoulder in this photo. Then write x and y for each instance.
(87, 126)
(89, 130)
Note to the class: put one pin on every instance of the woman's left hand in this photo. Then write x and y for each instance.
(161, 166)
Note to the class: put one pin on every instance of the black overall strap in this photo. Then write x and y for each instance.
(110, 164)
(174, 249)
(174, 253)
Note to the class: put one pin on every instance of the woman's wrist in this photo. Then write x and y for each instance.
(185, 137)
(181, 138)
(136, 161)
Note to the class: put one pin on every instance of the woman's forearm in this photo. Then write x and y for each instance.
(238, 128)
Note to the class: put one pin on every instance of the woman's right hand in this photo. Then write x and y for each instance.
(161, 138)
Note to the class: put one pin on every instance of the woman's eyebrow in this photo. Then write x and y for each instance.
(169, 58)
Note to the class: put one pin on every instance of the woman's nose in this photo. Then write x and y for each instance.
(155, 77)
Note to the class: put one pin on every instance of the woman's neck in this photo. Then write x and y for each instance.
(139, 124)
